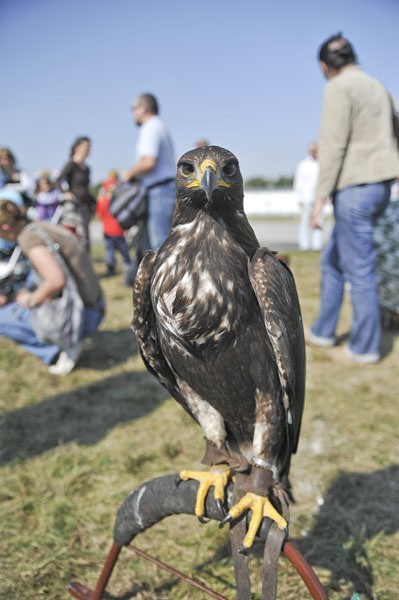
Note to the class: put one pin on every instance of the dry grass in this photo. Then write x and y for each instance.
(72, 448)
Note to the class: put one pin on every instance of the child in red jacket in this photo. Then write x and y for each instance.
(114, 235)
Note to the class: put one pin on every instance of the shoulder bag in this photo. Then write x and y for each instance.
(129, 203)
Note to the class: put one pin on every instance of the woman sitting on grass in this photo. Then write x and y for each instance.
(16, 312)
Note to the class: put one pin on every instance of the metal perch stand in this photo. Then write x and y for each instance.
(162, 497)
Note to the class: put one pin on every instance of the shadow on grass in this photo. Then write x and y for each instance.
(204, 572)
(388, 337)
(107, 348)
(357, 508)
(84, 415)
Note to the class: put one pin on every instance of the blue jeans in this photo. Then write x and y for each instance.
(161, 204)
(114, 243)
(349, 256)
(15, 324)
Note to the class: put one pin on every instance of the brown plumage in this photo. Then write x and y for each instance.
(218, 322)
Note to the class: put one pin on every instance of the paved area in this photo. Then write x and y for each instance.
(281, 234)
(276, 234)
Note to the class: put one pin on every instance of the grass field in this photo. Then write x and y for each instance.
(71, 449)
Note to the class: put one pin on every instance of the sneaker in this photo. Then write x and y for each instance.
(66, 361)
(366, 359)
(317, 340)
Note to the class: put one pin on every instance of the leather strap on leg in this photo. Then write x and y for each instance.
(260, 480)
(224, 455)
(237, 533)
(240, 561)
(273, 547)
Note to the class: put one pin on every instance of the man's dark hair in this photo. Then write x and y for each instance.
(150, 102)
(337, 52)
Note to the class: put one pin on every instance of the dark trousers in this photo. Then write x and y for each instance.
(116, 244)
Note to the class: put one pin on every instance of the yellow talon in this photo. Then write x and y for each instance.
(217, 477)
(261, 507)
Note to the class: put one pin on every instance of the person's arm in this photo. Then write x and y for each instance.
(315, 217)
(51, 275)
(101, 206)
(148, 146)
(144, 165)
(19, 181)
(297, 185)
(395, 119)
(335, 130)
(63, 181)
(333, 142)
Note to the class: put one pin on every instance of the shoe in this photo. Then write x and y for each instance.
(110, 272)
(366, 359)
(317, 340)
(66, 361)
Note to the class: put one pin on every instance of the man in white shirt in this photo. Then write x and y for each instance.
(305, 181)
(155, 166)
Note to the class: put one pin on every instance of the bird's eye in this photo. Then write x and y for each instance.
(186, 169)
(230, 169)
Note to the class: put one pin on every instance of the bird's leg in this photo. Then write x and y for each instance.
(218, 477)
(217, 453)
(260, 482)
(256, 499)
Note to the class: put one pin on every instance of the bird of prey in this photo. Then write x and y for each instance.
(218, 322)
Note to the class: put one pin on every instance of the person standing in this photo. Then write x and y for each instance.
(74, 181)
(155, 166)
(114, 235)
(305, 181)
(358, 157)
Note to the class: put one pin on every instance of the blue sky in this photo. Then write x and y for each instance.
(241, 73)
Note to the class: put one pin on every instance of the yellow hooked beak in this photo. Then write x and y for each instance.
(209, 178)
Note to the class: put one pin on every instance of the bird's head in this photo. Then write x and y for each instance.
(208, 179)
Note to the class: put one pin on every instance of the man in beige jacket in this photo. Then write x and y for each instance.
(358, 157)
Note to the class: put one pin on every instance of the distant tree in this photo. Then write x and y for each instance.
(258, 182)
(94, 189)
(285, 181)
(282, 182)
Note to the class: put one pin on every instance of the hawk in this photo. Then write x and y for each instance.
(218, 322)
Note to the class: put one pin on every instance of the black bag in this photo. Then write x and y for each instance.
(129, 203)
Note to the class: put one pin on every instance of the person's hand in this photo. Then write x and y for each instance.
(126, 175)
(316, 212)
(3, 300)
(69, 196)
(24, 297)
